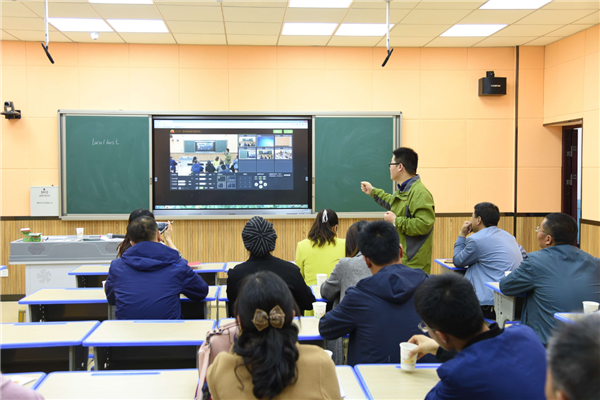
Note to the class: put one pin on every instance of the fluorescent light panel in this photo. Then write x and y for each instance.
(80, 24)
(514, 4)
(362, 30)
(473, 30)
(308, 28)
(121, 1)
(320, 3)
(138, 25)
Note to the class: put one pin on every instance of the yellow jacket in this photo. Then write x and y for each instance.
(313, 260)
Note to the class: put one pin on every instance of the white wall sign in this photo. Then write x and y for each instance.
(44, 201)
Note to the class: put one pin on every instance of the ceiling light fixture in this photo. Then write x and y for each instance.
(514, 4)
(362, 30)
(139, 25)
(308, 28)
(121, 1)
(473, 30)
(320, 3)
(80, 24)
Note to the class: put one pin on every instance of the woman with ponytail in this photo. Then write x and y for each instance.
(266, 361)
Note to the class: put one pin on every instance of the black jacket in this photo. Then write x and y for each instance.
(286, 270)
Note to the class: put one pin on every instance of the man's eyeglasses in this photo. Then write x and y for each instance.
(538, 230)
(423, 327)
(394, 163)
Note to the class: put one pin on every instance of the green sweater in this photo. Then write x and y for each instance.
(415, 216)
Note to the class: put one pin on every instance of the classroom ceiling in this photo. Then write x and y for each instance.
(225, 22)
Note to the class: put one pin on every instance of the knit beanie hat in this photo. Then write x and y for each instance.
(259, 237)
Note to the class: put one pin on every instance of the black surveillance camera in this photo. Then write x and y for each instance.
(10, 112)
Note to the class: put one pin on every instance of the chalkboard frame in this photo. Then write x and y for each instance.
(64, 215)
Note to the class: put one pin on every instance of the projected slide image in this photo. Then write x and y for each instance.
(266, 141)
(283, 141)
(247, 154)
(283, 154)
(265, 154)
(247, 141)
(205, 145)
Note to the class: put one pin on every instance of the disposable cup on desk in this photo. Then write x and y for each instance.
(506, 273)
(79, 233)
(104, 285)
(329, 353)
(590, 307)
(319, 309)
(407, 363)
(320, 279)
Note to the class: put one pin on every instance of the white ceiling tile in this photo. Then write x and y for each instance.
(63, 9)
(418, 30)
(450, 5)
(150, 38)
(396, 4)
(406, 42)
(190, 13)
(358, 41)
(495, 16)
(554, 16)
(572, 5)
(38, 36)
(303, 40)
(434, 17)
(15, 9)
(253, 28)
(454, 41)
(527, 30)
(505, 41)
(593, 19)
(543, 41)
(26, 24)
(252, 40)
(7, 36)
(84, 37)
(260, 4)
(373, 16)
(127, 11)
(196, 27)
(315, 14)
(195, 3)
(190, 38)
(569, 30)
(248, 14)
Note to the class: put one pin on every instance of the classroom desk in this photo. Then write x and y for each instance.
(388, 381)
(317, 295)
(349, 383)
(208, 268)
(45, 346)
(76, 304)
(38, 378)
(448, 265)
(309, 328)
(505, 306)
(147, 344)
(2, 267)
(569, 318)
(158, 384)
(90, 275)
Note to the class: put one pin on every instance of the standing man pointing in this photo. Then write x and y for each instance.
(410, 209)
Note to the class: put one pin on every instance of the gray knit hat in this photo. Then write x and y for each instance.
(259, 236)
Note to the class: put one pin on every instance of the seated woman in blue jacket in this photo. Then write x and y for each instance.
(146, 281)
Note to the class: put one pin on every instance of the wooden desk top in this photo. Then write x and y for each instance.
(232, 264)
(119, 333)
(349, 382)
(91, 269)
(388, 381)
(44, 334)
(39, 377)
(309, 327)
(569, 317)
(448, 264)
(85, 296)
(223, 293)
(174, 384)
(207, 267)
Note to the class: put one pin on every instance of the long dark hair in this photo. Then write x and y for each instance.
(135, 214)
(352, 238)
(321, 231)
(271, 354)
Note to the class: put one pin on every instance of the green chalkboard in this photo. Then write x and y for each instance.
(349, 150)
(107, 164)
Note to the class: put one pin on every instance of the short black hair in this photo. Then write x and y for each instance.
(562, 228)
(407, 157)
(227, 149)
(448, 303)
(142, 229)
(574, 358)
(489, 213)
(379, 242)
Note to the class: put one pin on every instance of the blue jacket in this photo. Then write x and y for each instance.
(555, 279)
(145, 283)
(510, 365)
(196, 168)
(379, 314)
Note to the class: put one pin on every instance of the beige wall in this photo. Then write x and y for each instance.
(571, 89)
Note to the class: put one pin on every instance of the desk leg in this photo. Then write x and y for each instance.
(207, 308)
(505, 308)
(36, 313)
(78, 357)
(101, 358)
(112, 312)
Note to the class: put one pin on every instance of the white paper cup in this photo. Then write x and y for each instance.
(103, 284)
(506, 273)
(319, 309)
(320, 279)
(79, 233)
(590, 307)
(329, 353)
(407, 363)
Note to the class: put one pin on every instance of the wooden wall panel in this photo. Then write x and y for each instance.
(590, 239)
(526, 234)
